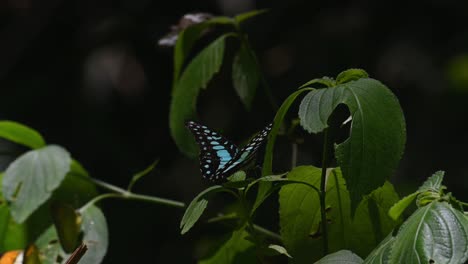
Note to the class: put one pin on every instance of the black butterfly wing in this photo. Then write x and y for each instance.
(215, 150)
(245, 154)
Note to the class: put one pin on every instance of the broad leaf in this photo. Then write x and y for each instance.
(30, 180)
(436, 233)
(267, 168)
(340, 257)
(381, 253)
(377, 136)
(21, 134)
(236, 250)
(245, 75)
(196, 208)
(184, 97)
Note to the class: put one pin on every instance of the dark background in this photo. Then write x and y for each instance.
(90, 77)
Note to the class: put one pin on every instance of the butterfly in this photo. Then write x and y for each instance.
(219, 158)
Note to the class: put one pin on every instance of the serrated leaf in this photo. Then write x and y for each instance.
(267, 168)
(30, 180)
(398, 208)
(196, 208)
(377, 136)
(21, 134)
(245, 75)
(247, 15)
(381, 253)
(341, 257)
(67, 222)
(351, 75)
(436, 233)
(195, 77)
(433, 183)
(236, 250)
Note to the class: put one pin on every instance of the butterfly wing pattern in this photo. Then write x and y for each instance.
(219, 157)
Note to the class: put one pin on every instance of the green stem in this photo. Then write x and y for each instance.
(323, 185)
(267, 233)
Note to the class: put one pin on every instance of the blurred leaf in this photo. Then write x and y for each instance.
(267, 167)
(351, 75)
(279, 250)
(247, 15)
(237, 176)
(30, 180)
(245, 75)
(49, 246)
(342, 256)
(196, 76)
(140, 174)
(21, 134)
(31, 255)
(436, 233)
(236, 250)
(67, 222)
(381, 253)
(375, 144)
(457, 72)
(196, 208)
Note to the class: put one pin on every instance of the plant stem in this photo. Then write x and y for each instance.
(267, 233)
(323, 185)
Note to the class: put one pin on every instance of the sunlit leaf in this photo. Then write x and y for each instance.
(340, 257)
(377, 137)
(21, 134)
(184, 97)
(280, 250)
(30, 180)
(399, 207)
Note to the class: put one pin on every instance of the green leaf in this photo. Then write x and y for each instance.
(371, 222)
(398, 208)
(94, 227)
(21, 134)
(140, 174)
(324, 81)
(342, 256)
(237, 176)
(196, 208)
(433, 183)
(381, 253)
(377, 136)
(30, 180)
(184, 97)
(351, 75)
(245, 75)
(280, 250)
(67, 222)
(300, 214)
(436, 233)
(267, 168)
(236, 250)
(247, 15)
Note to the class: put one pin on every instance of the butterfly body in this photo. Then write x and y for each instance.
(219, 158)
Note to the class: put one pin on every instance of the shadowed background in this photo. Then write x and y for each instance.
(89, 76)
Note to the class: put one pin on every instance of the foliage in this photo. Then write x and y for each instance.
(345, 214)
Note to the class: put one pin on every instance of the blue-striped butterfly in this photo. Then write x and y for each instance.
(219, 158)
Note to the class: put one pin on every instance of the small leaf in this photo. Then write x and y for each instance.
(433, 183)
(21, 134)
(30, 180)
(247, 15)
(324, 81)
(375, 144)
(67, 222)
(381, 253)
(196, 208)
(245, 75)
(267, 168)
(195, 77)
(236, 250)
(436, 233)
(140, 174)
(342, 256)
(279, 249)
(398, 208)
(237, 176)
(351, 75)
